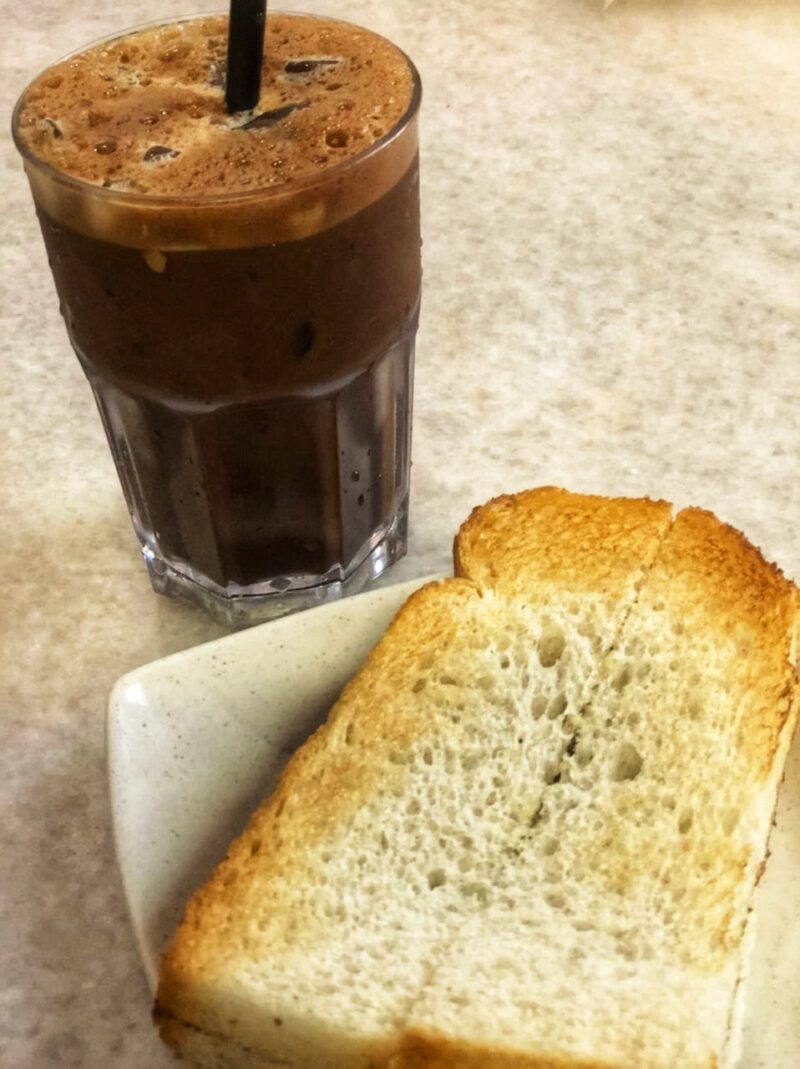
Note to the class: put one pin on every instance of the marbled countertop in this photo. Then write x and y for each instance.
(612, 303)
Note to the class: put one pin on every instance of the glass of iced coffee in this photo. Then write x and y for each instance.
(242, 292)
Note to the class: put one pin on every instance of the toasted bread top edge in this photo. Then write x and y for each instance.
(550, 538)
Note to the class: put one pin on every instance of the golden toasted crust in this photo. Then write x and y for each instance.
(549, 536)
(732, 582)
(721, 585)
(433, 1052)
(425, 1050)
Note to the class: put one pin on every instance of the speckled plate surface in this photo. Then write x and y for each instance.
(195, 741)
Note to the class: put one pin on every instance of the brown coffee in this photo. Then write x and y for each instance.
(242, 292)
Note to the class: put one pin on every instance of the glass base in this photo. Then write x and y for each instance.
(242, 607)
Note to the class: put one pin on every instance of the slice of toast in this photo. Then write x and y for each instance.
(529, 832)
(649, 840)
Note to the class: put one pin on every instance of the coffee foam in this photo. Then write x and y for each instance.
(133, 133)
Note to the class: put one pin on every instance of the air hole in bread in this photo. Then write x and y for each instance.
(418, 686)
(555, 900)
(584, 754)
(475, 890)
(427, 755)
(551, 772)
(538, 706)
(255, 847)
(436, 878)
(685, 821)
(448, 681)
(622, 679)
(349, 734)
(557, 707)
(426, 661)
(550, 846)
(506, 965)
(694, 709)
(627, 763)
(457, 1000)
(730, 818)
(569, 728)
(470, 761)
(505, 662)
(280, 807)
(551, 647)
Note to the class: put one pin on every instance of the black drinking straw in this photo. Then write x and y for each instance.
(245, 53)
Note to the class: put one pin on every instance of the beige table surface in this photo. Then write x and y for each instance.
(612, 303)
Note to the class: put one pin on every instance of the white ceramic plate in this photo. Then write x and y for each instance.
(195, 741)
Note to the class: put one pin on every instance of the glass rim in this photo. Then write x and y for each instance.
(184, 200)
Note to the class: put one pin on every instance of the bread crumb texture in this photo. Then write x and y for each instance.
(529, 833)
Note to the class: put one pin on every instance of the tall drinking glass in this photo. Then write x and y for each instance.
(243, 294)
